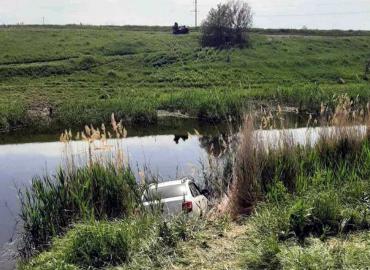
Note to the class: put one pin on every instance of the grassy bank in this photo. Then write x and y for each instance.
(315, 210)
(68, 76)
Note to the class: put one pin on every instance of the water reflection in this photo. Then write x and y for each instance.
(180, 137)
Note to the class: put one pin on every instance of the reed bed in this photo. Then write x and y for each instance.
(300, 197)
(104, 188)
(52, 204)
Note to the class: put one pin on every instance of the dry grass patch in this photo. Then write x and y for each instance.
(217, 247)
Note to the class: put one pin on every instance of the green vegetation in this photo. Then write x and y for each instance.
(143, 242)
(312, 226)
(308, 205)
(227, 25)
(57, 77)
(51, 204)
(310, 211)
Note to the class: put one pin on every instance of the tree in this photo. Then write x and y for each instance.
(227, 25)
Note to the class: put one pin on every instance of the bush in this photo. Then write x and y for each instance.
(301, 219)
(227, 25)
(87, 62)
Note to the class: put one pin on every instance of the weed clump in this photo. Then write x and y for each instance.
(87, 62)
(51, 204)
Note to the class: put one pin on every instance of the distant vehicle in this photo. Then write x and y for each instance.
(175, 197)
(179, 30)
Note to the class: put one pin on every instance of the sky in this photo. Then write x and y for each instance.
(314, 14)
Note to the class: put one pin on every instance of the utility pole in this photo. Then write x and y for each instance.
(196, 12)
(43, 20)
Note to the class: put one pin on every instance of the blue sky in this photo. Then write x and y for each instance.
(317, 14)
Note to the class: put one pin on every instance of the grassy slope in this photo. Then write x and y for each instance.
(214, 251)
(87, 73)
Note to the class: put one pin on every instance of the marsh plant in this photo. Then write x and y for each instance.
(100, 190)
(299, 196)
(340, 140)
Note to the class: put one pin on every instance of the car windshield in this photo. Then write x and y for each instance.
(165, 192)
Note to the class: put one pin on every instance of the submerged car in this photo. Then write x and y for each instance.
(175, 197)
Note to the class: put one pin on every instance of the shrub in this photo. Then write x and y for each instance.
(87, 62)
(227, 25)
(326, 212)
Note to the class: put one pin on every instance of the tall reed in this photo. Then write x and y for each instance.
(259, 164)
(99, 190)
(51, 204)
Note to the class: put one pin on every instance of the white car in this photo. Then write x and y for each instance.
(179, 196)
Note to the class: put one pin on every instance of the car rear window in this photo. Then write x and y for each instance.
(165, 192)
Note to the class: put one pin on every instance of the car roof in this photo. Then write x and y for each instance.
(171, 183)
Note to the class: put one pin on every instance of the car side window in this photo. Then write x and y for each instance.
(194, 190)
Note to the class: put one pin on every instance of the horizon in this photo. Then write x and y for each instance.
(287, 14)
(169, 26)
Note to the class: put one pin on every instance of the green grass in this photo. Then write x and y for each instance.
(310, 205)
(52, 204)
(86, 73)
(140, 242)
(96, 245)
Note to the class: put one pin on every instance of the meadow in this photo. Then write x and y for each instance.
(56, 77)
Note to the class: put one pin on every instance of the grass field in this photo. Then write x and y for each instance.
(57, 77)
